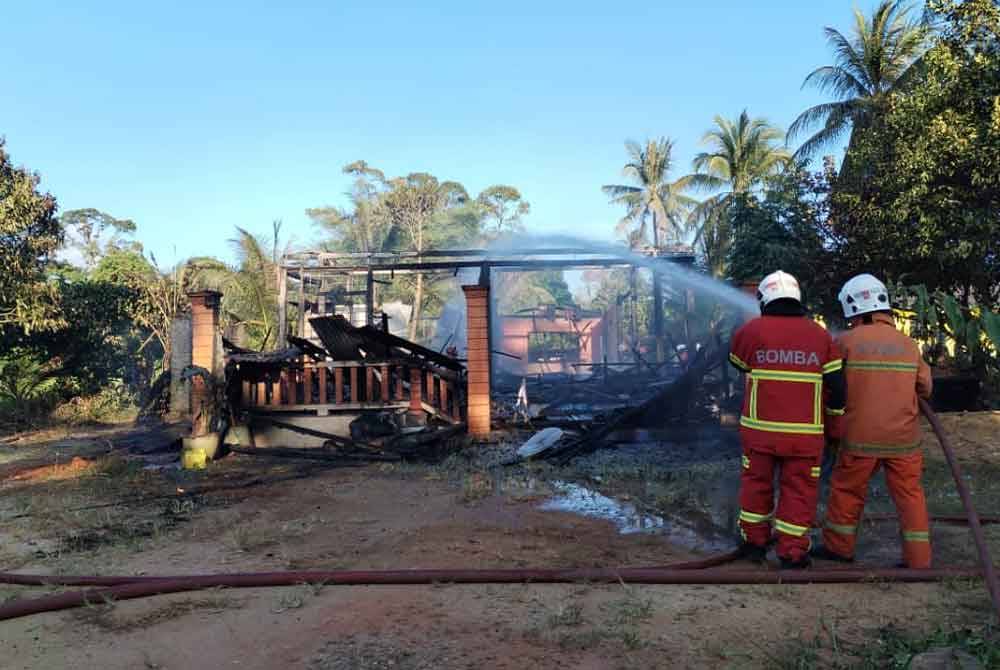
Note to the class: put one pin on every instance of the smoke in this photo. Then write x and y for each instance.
(450, 329)
(680, 276)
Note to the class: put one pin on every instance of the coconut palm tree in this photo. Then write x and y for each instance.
(651, 197)
(741, 156)
(875, 60)
(250, 287)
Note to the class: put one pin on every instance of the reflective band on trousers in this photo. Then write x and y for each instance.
(753, 517)
(841, 528)
(869, 448)
(835, 412)
(814, 471)
(916, 536)
(780, 427)
(794, 376)
(892, 366)
(790, 528)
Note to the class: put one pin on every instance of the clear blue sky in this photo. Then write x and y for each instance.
(194, 117)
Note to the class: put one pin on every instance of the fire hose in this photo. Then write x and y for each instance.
(985, 561)
(151, 586)
(704, 571)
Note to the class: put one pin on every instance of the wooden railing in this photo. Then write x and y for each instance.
(356, 385)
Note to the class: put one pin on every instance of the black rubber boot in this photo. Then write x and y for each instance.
(789, 564)
(753, 552)
(821, 552)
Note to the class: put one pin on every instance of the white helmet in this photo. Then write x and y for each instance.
(778, 285)
(862, 295)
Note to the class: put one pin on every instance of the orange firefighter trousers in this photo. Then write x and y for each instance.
(848, 487)
(796, 501)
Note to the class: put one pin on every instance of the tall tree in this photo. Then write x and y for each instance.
(503, 208)
(876, 59)
(928, 210)
(362, 228)
(30, 233)
(413, 203)
(651, 198)
(93, 234)
(742, 156)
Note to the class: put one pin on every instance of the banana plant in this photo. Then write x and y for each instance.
(991, 326)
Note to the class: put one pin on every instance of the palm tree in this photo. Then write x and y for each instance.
(742, 156)
(875, 60)
(250, 287)
(650, 196)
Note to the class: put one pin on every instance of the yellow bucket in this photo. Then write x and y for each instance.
(193, 458)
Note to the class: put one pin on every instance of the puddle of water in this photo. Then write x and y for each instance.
(628, 518)
(580, 500)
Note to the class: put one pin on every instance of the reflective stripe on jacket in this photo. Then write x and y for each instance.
(885, 373)
(784, 358)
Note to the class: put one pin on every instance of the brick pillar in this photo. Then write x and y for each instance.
(205, 347)
(477, 309)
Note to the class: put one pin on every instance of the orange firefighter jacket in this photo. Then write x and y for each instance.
(786, 360)
(884, 374)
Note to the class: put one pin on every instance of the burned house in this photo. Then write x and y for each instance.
(348, 357)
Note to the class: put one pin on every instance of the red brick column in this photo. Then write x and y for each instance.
(204, 333)
(477, 309)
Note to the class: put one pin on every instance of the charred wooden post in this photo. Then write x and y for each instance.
(370, 298)
(302, 304)
(658, 315)
(430, 387)
(338, 385)
(416, 394)
(282, 307)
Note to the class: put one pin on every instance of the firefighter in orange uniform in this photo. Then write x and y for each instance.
(793, 369)
(884, 375)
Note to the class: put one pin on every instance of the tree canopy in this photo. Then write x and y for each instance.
(928, 210)
(30, 233)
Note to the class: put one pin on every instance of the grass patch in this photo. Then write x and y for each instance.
(476, 486)
(567, 614)
(629, 610)
(888, 648)
(580, 640)
(297, 597)
(105, 616)
(894, 649)
(248, 537)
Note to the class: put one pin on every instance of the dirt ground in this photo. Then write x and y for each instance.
(110, 511)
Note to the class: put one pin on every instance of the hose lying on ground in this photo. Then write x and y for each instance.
(18, 579)
(989, 572)
(692, 572)
(151, 586)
